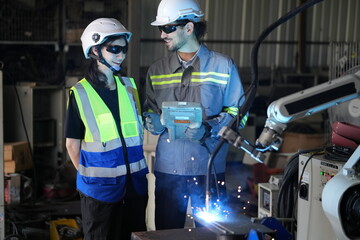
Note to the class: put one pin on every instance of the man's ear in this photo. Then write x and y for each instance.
(189, 27)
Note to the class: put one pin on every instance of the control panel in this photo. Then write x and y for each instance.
(314, 174)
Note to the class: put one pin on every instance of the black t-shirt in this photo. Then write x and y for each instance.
(74, 126)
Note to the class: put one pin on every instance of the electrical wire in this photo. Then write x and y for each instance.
(254, 53)
(320, 151)
(214, 169)
(338, 153)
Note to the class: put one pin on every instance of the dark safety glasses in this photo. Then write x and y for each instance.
(116, 49)
(170, 28)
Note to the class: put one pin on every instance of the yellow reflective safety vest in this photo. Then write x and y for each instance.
(107, 157)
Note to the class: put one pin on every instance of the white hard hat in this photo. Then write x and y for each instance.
(171, 10)
(98, 30)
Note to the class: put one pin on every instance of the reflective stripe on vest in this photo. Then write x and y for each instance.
(108, 146)
(111, 172)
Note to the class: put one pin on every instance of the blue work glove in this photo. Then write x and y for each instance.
(152, 123)
(197, 134)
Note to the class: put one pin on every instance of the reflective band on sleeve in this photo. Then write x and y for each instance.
(244, 119)
(232, 110)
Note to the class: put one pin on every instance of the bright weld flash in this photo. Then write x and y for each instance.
(213, 215)
(207, 216)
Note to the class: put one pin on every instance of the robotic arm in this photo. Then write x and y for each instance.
(292, 107)
(306, 103)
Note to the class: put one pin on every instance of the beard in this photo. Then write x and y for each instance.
(178, 44)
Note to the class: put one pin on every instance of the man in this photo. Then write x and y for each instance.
(191, 73)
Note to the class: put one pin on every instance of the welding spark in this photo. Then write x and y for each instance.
(207, 216)
(216, 213)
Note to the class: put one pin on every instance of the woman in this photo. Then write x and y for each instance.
(104, 137)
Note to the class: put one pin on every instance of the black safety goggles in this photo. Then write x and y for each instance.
(170, 28)
(116, 49)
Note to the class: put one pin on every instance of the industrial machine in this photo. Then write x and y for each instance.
(267, 197)
(315, 171)
(341, 199)
(342, 205)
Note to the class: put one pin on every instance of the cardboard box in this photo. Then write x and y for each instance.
(9, 166)
(17, 157)
(293, 142)
(277, 160)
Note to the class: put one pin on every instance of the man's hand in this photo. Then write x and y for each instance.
(152, 123)
(196, 134)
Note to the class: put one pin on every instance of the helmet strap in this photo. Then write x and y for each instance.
(102, 60)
